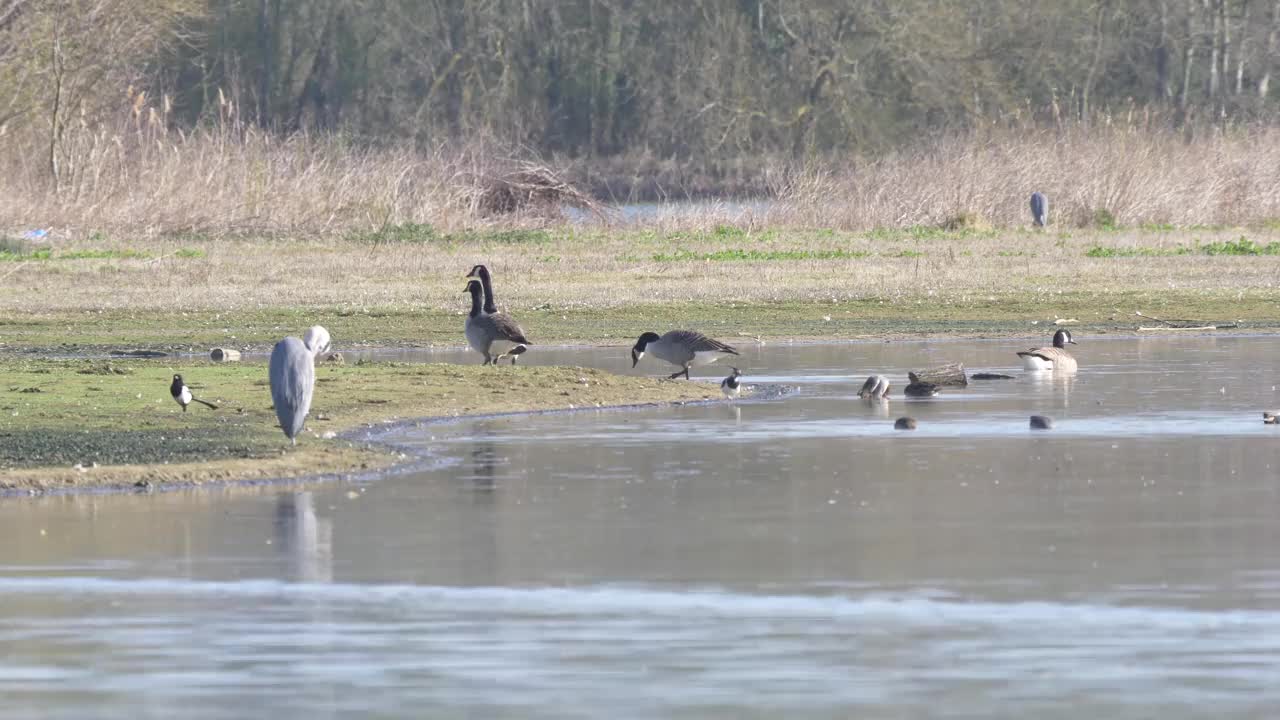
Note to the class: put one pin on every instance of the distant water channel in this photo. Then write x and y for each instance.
(791, 557)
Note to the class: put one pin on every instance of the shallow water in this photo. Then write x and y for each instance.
(788, 557)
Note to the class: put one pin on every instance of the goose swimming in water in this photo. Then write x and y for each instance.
(1054, 358)
(493, 335)
(491, 307)
(917, 388)
(686, 348)
(875, 388)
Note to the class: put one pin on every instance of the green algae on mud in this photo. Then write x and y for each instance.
(834, 319)
(59, 414)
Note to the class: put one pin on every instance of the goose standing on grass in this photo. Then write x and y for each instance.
(493, 335)
(686, 348)
(293, 379)
(317, 340)
(730, 386)
(1054, 358)
(490, 306)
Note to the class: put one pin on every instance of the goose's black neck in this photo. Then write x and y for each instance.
(490, 306)
(474, 289)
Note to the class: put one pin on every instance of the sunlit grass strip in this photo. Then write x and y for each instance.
(740, 255)
(1241, 246)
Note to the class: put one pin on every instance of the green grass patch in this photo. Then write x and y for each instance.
(406, 233)
(42, 254)
(741, 255)
(1240, 246)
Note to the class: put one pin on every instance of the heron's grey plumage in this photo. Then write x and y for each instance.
(317, 340)
(293, 378)
(1039, 209)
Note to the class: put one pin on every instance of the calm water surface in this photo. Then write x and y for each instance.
(793, 557)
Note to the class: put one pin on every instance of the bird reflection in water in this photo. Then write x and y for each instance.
(304, 539)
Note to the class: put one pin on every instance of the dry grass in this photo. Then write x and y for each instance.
(580, 268)
(1114, 174)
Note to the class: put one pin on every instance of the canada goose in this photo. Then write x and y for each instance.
(686, 348)
(1054, 358)
(875, 388)
(1041, 422)
(182, 394)
(490, 305)
(492, 335)
(730, 385)
(919, 389)
(904, 423)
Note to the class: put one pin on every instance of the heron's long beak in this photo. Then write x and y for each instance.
(635, 358)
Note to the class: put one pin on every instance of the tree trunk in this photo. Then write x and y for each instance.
(1215, 47)
(1189, 56)
(1162, 89)
(1268, 61)
(1242, 50)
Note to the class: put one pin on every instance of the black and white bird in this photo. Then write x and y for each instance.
(731, 386)
(182, 394)
(686, 348)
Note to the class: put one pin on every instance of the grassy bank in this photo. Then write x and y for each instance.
(598, 285)
(57, 415)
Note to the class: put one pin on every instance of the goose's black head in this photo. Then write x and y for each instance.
(176, 387)
(476, 291)
(478, 271)
(1062, 337)
(637, 352)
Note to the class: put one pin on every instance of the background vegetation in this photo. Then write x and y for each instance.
(285, 116)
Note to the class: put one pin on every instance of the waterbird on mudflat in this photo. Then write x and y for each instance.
(490, 305)
(182, 394)
(686, 348)
(1041, 422)
(1039, 209)
(1270, 418)
(292, 371)
(1054, 358)
(917, 388)
(493, 335)
(730, 386)
(904, 423)
(875, 388)
(317, 340)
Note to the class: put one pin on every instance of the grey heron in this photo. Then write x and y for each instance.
(1039, 209)
(182, 394)
(686, 348)
(293, 378)
(317, 340)
(1054, 358)
(494, 336)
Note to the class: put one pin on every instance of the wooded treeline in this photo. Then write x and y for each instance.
(702, 80)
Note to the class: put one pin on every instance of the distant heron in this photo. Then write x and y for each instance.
(293, 377)
(1039, 209)
(317, 340)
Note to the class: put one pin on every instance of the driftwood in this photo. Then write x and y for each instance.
(528, 187)
(1182, 324)
(990, 376)
(224, 355)
(951, 374)
(139, 353)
